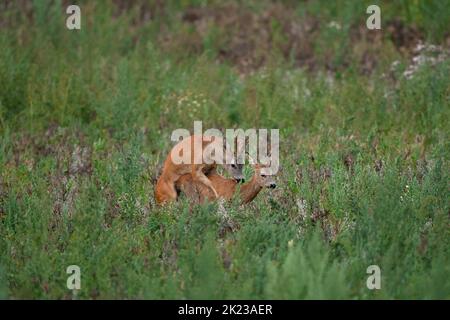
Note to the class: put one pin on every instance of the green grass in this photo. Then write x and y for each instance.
(85, 123)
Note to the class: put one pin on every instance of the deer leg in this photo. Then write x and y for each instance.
(165, 192)
(198, 175)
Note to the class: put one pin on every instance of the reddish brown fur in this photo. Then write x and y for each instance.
(171, 172)
(225, 188)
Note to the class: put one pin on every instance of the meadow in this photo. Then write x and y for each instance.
(86, 117)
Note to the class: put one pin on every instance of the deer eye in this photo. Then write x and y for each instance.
(263, 175)
(233, 166)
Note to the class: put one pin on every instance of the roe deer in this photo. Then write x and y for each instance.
(197, 168)
(225, 187)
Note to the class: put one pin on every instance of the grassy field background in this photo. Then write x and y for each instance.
(86, 118)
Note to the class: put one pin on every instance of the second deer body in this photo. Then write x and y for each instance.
(225, 188)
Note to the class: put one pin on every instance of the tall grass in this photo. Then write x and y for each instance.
(85, 121)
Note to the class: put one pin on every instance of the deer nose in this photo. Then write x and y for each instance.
(240, 180)
(272, 185)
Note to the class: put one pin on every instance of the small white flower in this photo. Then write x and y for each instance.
(428, 224)
(290, 243)
(335, 25)
(302, 208)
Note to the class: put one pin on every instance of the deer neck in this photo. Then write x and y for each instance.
(168, 177)
(250, 190)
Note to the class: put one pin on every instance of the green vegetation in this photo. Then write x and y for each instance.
(85, 123)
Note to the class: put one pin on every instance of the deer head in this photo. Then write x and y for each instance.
(233, 164)
(263, 179)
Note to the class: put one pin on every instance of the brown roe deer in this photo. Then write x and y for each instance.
(197, 168)
(225, 188)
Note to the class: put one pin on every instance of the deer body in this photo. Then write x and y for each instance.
(197, 167)
(226, 188)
